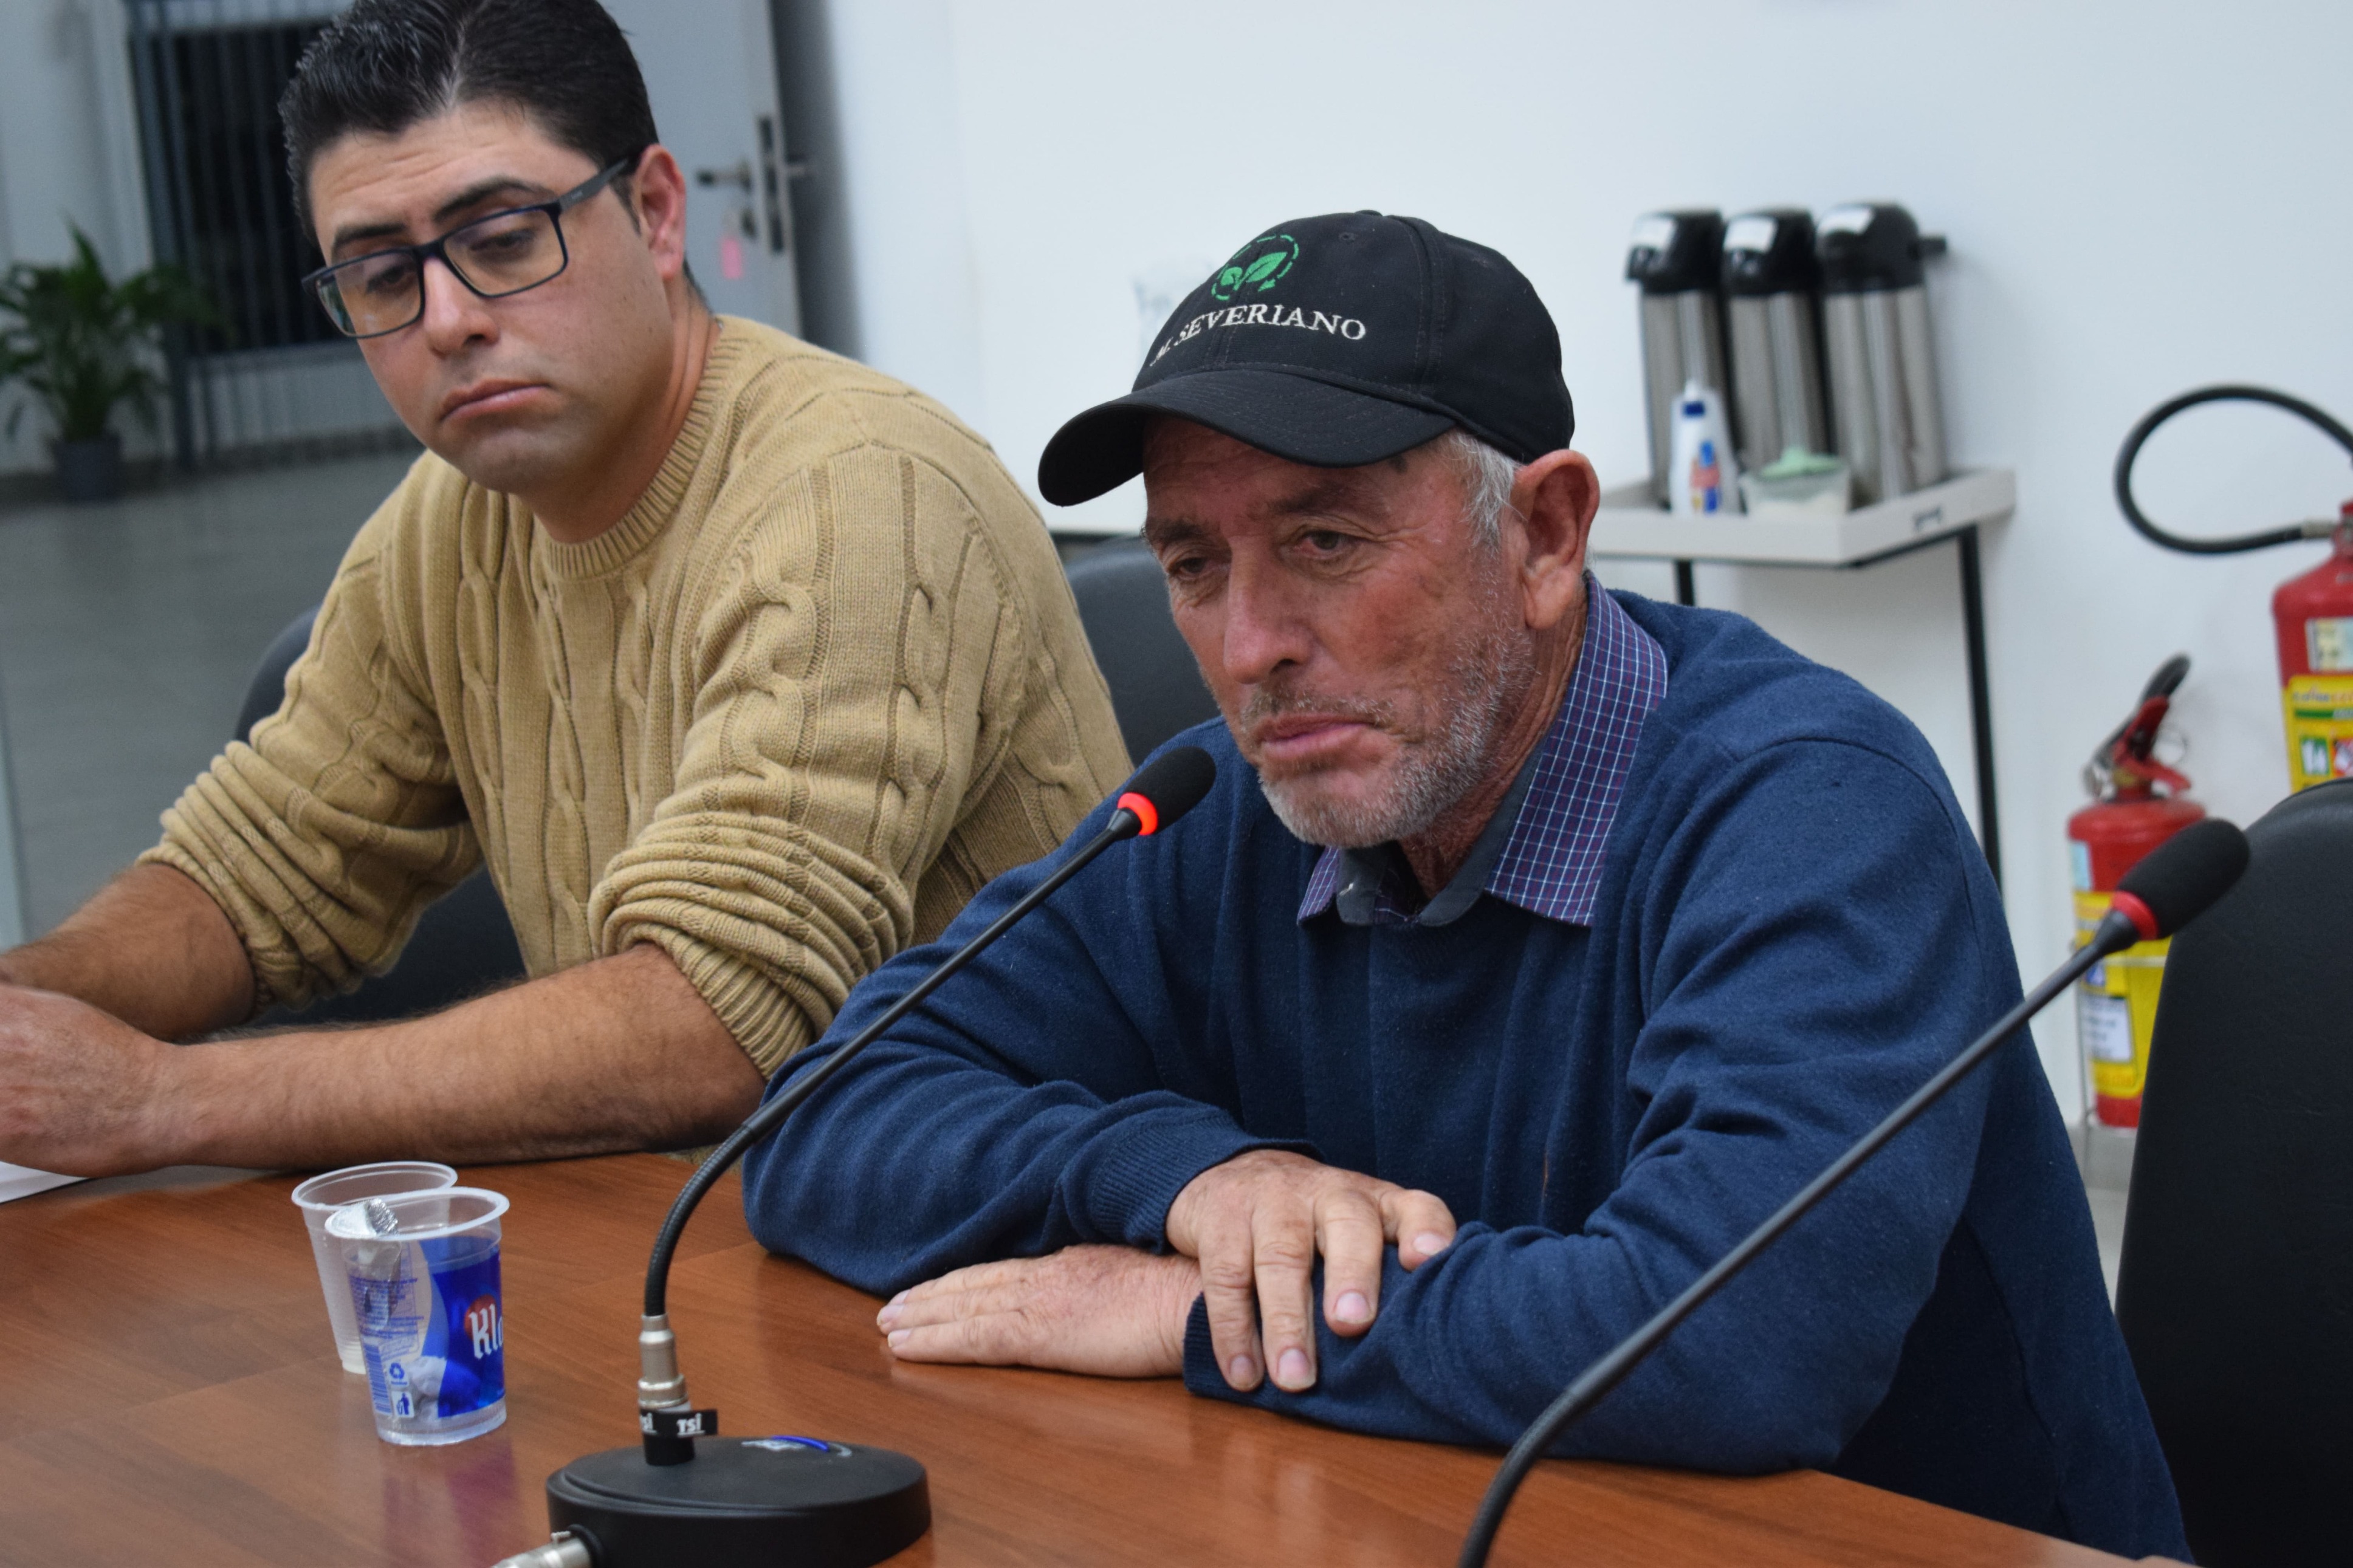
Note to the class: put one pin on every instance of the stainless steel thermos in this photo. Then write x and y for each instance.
(1883, 368)
(1771, 279)
(1676, 260)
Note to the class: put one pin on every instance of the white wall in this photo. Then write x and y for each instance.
(65, 131)
(69, 156)
(2142, 195)
(907, 184)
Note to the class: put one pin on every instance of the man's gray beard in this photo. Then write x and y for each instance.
(1490, 677)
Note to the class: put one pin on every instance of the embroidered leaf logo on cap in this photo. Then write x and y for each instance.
(1256, 267)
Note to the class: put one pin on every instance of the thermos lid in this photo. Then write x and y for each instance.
(1873, 245)
(1771, 252)
(1675, 252)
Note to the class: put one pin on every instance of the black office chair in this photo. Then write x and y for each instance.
(463, 944)
(1156, 688)
(2236, 1287)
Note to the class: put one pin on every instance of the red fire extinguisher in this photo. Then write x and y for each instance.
(2138, 802)
(2314, 617)
(2312, 614)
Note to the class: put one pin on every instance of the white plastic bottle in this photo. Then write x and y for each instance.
(1705, 479)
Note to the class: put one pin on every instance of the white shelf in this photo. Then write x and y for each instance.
(1629, 525)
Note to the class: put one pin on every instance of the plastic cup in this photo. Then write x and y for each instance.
(424, 1273)
(322, 1195)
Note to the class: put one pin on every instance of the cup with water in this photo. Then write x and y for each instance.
(322, 1195)
(423, 1269)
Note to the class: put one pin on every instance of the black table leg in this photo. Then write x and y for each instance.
(1980, 696)
(1686, 592)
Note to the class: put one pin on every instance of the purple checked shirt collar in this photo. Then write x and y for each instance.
(1550, 864)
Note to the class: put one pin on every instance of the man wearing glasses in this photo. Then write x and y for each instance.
(742, 666)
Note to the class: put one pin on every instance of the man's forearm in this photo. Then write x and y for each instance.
(622, 1053)
(152, 948)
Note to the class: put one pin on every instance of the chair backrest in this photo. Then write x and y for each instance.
(1156, 688)
(266, 689)
(2235, 1292)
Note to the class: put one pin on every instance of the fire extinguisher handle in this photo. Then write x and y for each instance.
(2168, 679)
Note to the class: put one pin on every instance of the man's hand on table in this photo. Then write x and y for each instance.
(1256, 1224)
(76, 1085)
(1109, 1311)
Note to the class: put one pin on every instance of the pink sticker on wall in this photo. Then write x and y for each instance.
(731, 257)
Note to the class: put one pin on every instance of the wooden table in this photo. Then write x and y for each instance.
(169, 1394)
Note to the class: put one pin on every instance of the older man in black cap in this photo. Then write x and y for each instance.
(1597, 924)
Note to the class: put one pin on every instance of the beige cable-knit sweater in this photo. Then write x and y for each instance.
(822, 682)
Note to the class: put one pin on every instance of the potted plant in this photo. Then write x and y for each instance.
(84, 345)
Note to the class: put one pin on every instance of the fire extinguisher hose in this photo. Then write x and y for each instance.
(2317, 529)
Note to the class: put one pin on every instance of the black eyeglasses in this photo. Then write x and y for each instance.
(505, 253)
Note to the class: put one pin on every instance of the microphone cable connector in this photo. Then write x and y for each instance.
(660, 1385)
(565, 1550)
(667, 1424)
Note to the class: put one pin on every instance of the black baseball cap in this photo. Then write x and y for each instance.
(1337, 340)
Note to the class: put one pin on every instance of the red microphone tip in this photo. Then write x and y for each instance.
(1145, 813)
(2143, 917)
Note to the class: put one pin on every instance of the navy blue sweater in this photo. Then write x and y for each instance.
(1795, 928)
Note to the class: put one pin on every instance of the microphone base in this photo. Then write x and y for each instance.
(751, 1501)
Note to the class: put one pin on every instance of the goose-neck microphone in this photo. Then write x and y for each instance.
(2157, 898)
(804, 1500)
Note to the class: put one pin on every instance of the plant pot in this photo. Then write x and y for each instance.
(89, 470)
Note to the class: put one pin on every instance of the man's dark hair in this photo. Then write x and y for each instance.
(384, 64)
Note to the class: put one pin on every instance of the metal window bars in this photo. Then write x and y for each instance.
(274, 380)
